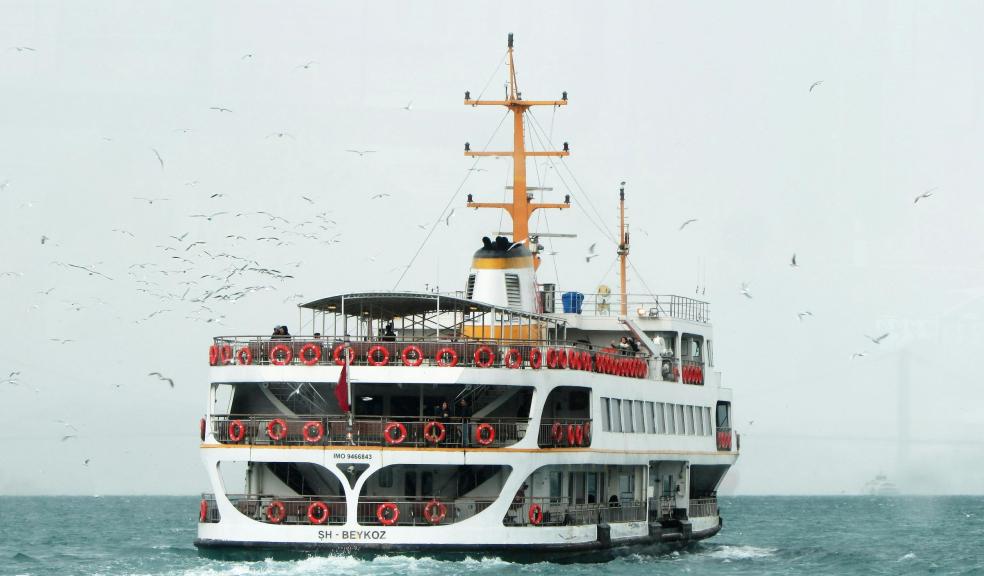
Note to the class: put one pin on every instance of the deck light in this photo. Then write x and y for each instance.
(470, 199)
(467, 147)
(467, 95)
(564, 96)
(567, 198)
(566, 147)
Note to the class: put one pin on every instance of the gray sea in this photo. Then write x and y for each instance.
(761, 535)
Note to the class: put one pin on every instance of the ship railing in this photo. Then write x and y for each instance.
(724, 439)
(402, 431)
(422, 511)
(637, 305)
(564, 432)
(208, 512)
(502, 353)
(700, 507)
(273, 509)
(665, 506)
(562, 512)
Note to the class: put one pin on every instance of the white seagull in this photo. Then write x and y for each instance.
(162, 377)
(591, 253)
(684, 225)
(815, 84)
(925, 194)
(877, 340)
(744, 290)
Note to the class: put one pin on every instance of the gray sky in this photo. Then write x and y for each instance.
(704, 109)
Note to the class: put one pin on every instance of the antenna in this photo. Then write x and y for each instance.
(521, 208)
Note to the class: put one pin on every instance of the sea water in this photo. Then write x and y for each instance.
(762, 535)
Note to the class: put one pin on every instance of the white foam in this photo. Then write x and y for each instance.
(728, 553)
(909, 556)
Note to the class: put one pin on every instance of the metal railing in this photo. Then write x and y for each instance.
(411, 431)
(561, 512)
(264, 508)
(208, 512)
(378, 511)
(564, 432)
(642, 306)
(514, 354)
(724, 439)
(703, 507)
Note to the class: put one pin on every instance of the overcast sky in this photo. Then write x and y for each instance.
(704, 109)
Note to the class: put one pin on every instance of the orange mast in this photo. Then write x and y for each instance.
(521, 207)
(623, 248)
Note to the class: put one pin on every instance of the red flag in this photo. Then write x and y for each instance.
(341, 391)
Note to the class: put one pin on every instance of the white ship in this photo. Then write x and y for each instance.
(551, 438)
(881, 486)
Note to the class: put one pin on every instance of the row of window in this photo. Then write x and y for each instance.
(640, 417)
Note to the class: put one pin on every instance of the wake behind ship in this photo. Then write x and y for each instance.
(510, 416)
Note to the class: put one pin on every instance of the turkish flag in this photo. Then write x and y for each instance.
(341, 391)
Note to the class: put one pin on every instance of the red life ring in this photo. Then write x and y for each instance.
(276, 512)
(244, 356)
(313, 431)
(557, 432)
(488, 354)
(202, 511)
(536, 515)
(319, 518)
(276, 429)
(700, 374)
(225, 354)
(484, 434)
(285, 355)
(309, 359)
(378, 356)
(337, 354)
(513, 359)
(387, 513)
(587, 432)
(237, 430)
(551, 358)
(643, 369)
(586, 361)
(213, 356)
(561, 358)
(579, 434)
(573, 359)
(435, 511)
(401, 432)
(571, 435)
(446, 357)
(676, 374)
(418, 356)
(536, 358)
(434, 437)
(201, 429)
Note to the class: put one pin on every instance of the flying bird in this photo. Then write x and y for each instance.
(246, 56)
(217, 195)
(925, 194)
(150, 200)
(207, 216)
(878, 339)
(815, 84)
(684, 225)
(23, 48)
(591, 253)
(159, 159)
(179, 238)
(447, 221)
(220, 109)
(744, 290)
(68, 437)
(162, 377)
(361, 153)
(44, 239)
(193, 244)
(792, 261)
(383, 195)
(61, 340)
(281, 135)
(127, 232)
(89, 270)
(804, 314)
(858, 355)
(407, 107)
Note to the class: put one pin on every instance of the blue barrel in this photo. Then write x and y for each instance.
(572, 302)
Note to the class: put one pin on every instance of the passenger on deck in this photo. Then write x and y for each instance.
(389, 335)
(442, 411)
(623, 346)
(613, 501)
(279, 333)
(634, 344)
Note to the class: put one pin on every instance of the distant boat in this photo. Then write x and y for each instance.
(881, 486)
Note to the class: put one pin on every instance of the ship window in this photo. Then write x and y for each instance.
(626, 415)
(710, 353)
(723, 415)
(670, 419)
(640, 423)
(688, 417)
(606, 423)
(678, 418)
(470, 289)
(698, 420)
(660, 419)
(626, 487)
(616, 415)
(707, 421)
(650, 422)
(591, 487)
(556, 479)
(512, 291)
(385, 477)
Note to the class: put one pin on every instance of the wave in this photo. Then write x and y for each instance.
(741, 553)
(343, 565)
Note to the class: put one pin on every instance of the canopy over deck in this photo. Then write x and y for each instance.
(424, 311)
